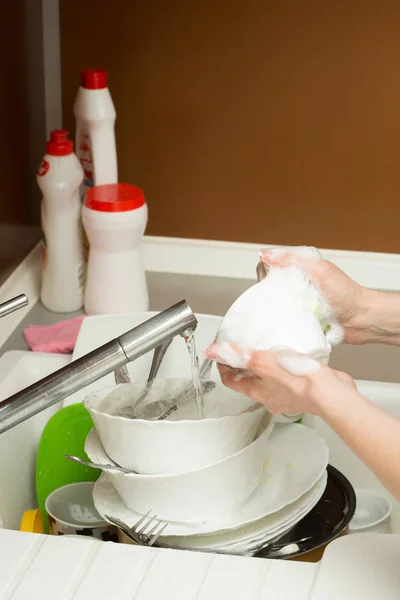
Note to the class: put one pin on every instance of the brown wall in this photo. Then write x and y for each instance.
(14, 144)
(257, 121)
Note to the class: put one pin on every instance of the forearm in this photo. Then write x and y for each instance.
(370, 432)
(378, 319)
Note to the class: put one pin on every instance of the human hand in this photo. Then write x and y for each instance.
(285, 382)
(345, 297)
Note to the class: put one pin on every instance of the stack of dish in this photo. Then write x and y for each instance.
(230, 482)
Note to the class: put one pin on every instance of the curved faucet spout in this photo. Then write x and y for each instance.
(98, 363)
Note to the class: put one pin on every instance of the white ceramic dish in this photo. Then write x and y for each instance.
(173, 446)
(195, 495)
(278, 312)
(98, 330)
(252, 536)
(295, 459)
(373, 512)
(71, 511)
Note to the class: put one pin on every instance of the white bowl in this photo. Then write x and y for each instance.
(195, 495)
(71, 511)
(173, 446)
(373, 512)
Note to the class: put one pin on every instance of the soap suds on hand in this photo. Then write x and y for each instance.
(334, 331)
(296, 251)
(237, 358)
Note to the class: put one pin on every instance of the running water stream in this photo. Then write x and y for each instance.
(194, 363)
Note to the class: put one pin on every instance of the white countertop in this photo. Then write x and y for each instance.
(39, 567)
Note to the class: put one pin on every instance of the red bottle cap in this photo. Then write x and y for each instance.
(114, 197)
(59, 144)
(93, 78)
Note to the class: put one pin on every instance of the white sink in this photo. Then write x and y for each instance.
(18, 446)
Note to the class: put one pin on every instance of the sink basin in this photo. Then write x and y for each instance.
(18, 446)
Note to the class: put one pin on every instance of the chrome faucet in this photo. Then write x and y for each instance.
(176, 320)
(14, 304)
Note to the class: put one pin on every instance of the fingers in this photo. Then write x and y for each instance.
(272, 258)
(345, 378)
(257, 389)
(262, 362)
(242, 382)
(228, 354)
(308, 259)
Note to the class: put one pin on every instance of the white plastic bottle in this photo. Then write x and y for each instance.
(95, 136)
(59, 177)
(115, 218)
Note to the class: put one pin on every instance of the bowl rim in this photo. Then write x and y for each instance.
(376, 494)
(100, 523)
(265, 428)
(255, 408)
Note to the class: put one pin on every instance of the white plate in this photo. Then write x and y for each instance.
(252, 536)
(99, 330)
(295, 460)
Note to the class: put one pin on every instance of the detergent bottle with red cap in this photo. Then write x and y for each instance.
(59, 177)
(115, 217)
(95, 136)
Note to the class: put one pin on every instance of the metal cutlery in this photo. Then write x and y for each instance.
(158, 356)
(121, 375)
(141, 535)
(207, 386)
(145, 531)
(88, 463)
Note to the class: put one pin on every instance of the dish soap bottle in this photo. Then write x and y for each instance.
(59, 177)
(95, 137)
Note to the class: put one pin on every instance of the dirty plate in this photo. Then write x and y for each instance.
(296, 458)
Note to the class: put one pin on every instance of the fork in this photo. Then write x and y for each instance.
(140, 532)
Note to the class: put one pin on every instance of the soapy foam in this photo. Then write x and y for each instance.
(296, 252)
(276, 313)
(235, 358)
(334, 331)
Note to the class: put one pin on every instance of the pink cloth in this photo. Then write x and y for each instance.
(60, 337)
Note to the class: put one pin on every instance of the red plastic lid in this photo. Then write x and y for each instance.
(59, 144)
(93, 78)
(114, 197)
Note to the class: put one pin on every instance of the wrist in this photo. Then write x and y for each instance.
(333, 397)
(377, 320)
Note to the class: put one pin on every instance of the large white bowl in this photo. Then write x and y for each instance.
(196, 495)
(173, 446)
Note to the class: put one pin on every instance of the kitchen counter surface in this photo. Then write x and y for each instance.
(211, 295)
